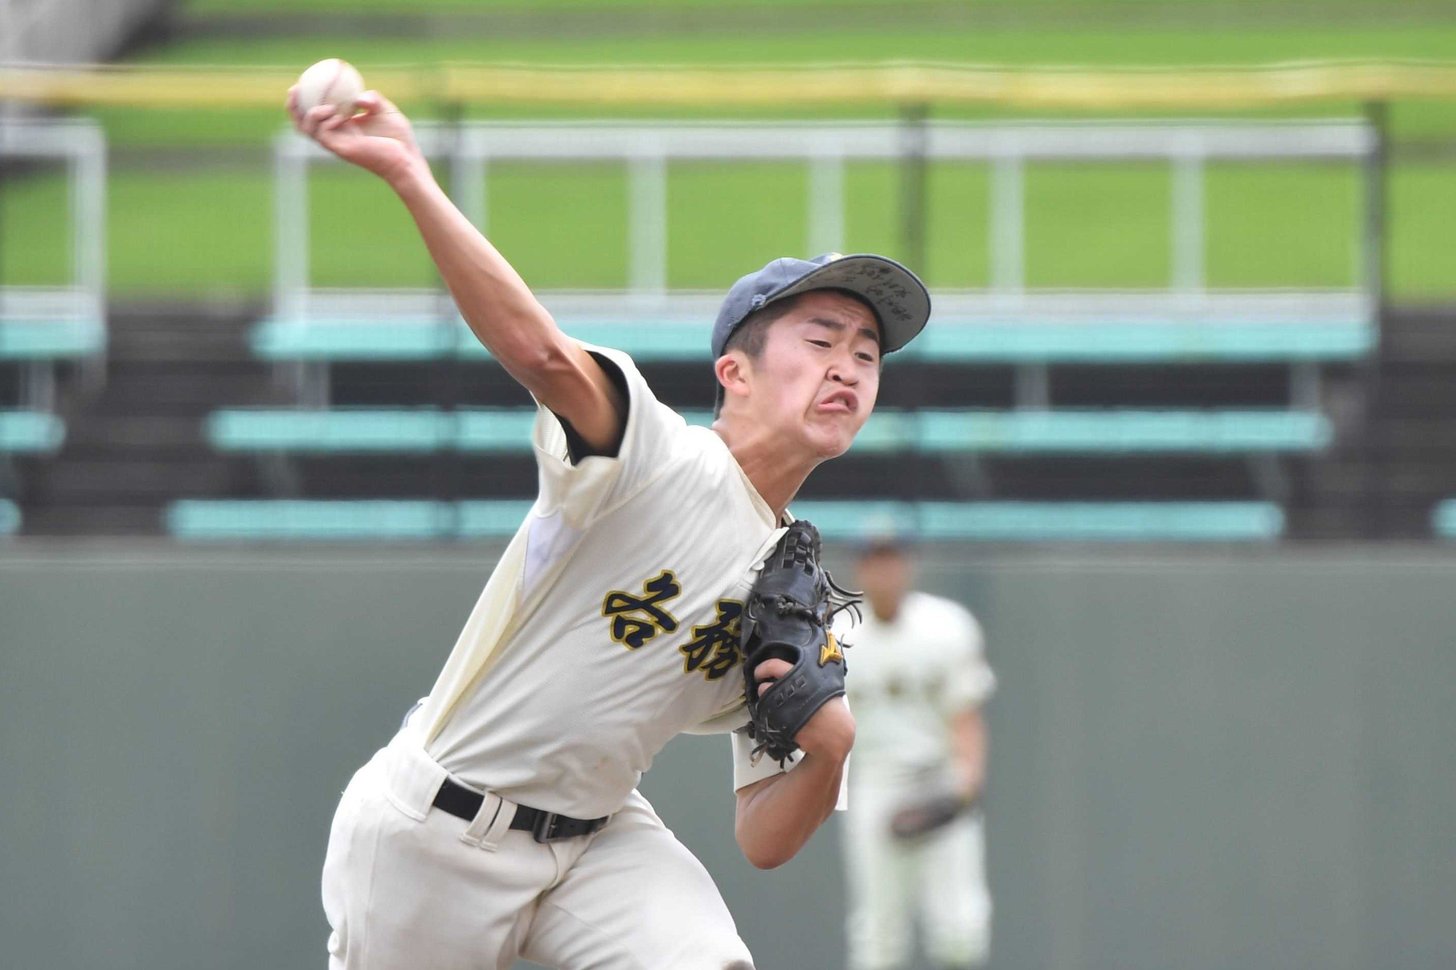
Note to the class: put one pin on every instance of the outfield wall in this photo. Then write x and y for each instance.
(1200, 759)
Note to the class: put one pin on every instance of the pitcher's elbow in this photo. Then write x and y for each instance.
(765, 852)
(761, 858)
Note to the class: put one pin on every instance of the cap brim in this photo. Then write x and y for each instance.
(898, 297)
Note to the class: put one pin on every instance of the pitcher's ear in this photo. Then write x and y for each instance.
(733, 370)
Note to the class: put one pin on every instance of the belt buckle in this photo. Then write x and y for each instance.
(545, 829)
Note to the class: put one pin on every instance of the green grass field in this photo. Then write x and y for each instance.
(1214, 7)
(210, 232)
(204, 225)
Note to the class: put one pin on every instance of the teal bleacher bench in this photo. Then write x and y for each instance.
(1443, 519)
(263, 520)
(1116, 431)
(50, 339)
(1100, 342)
(1052, 521)
(1110, 431)
(36, 346)
(342, 339)
(403, 430)
(272, 520)
(33, 432)
(9, 518)
(1111, 342)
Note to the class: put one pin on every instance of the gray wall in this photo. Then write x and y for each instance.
(72, 31)
(1200, 759)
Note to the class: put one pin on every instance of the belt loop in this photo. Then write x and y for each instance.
(490, 823)
(413, 777)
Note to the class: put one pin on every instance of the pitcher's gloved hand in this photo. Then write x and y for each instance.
(787, 618)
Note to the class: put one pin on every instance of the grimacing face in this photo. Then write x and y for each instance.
(819, 374)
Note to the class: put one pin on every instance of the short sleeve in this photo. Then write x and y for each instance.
(969, 681)
(745, 772)
(582, 489)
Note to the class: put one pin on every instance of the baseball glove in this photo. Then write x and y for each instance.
(920, 818)
(787, 618)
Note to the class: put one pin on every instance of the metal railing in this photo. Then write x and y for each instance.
(39, 324)
(647, 152)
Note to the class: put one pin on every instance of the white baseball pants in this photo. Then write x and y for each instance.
(407, 886)
(939, 879)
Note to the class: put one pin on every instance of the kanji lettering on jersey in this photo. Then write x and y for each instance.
(637, 619)
(714, 646)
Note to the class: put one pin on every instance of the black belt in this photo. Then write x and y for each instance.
(543, 826)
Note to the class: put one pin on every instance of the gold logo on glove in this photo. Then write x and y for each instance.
(830, 650)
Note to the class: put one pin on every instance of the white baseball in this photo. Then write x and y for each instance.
(332, 81)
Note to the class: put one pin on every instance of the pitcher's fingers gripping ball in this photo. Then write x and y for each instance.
(333, 82)
(787, 618)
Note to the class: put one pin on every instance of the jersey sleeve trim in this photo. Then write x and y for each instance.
(577, 447)
(582, 487)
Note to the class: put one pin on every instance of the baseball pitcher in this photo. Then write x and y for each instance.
(657, 586)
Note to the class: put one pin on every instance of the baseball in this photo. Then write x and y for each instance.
(332, 81)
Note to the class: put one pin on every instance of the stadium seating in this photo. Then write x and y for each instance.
(1108, 341)
(1044, 521)
(200, 519)
(204, 519)
(371, 426)
(41, 325)
(1443, 519)
(1038, 411)
(22, 340)
(35, 432)
(218, 520)
(1117, 431)
(35, 348)
(376, 430)
(1008, 432)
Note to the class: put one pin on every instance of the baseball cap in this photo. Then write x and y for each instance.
(885, 532)
(899, 299)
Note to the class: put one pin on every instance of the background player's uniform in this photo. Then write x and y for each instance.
(609, 625)
(907, 679)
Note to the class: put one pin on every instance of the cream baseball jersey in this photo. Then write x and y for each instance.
(906, 678)
(611, 623)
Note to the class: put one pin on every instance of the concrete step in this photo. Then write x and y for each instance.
(159, 388)
(126, 433)
(1419, 335)
(117, 480)
(1325, 522)
(178, 333)
(1042, 479)
(104, 520)
(1418, 437)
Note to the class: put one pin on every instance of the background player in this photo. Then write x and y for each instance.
(503, 819)
(918, 681)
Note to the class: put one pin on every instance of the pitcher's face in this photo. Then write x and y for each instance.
(819, 374)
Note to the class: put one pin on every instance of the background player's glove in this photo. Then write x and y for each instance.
(924, 816)
(787, 618)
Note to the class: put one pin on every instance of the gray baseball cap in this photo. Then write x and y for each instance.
(899, 299)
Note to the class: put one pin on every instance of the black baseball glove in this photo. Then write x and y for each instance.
(932, 813)
(787, 618)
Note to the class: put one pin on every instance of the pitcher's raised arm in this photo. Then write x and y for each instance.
(496, 303)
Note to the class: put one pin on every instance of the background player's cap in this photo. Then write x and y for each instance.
(899, 299)
(884, 532)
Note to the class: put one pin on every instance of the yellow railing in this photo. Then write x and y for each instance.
(893, 83)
